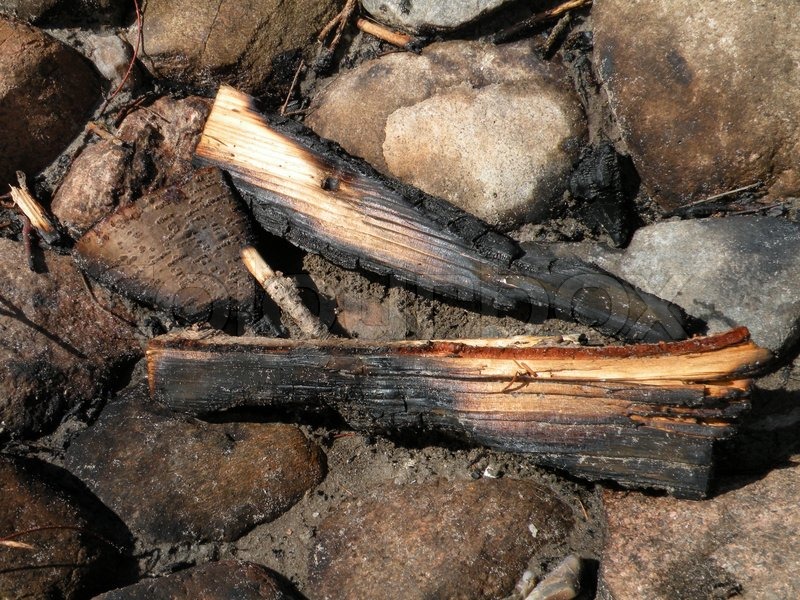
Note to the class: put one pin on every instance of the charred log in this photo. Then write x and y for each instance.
(644, 415)
(317, 197)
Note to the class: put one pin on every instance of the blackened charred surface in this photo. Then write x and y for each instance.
(484, 266)
(635, 434)
(606, 183)
(148, 251)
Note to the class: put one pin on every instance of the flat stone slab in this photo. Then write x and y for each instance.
(178, 249)
(436, 540)
(173, 479)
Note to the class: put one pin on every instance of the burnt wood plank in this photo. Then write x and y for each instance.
(313, 194)
(644, 415)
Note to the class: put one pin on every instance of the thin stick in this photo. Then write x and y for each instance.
(291, 87)
(6, 539)
(33, 210)
(397, 38)
(284, 292)
(541, 17)
(100, 131)
(339, 21)
(745, 188)
(27, 242)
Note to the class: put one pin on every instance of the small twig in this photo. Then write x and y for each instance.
(17, 545)
(552, 42)
(745, 188)
(8, 538)
(531, 22)
(396, 38)
(132, 61)
(284, 292)
(339, 22)
(34, 211)
(291, 87)
(100, 131)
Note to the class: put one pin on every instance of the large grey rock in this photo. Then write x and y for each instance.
(492, 129)
(740, 544)
(733, 271)
(47, 91)
(26, 10)
(428, 16)
(203, 41)
(705, 92)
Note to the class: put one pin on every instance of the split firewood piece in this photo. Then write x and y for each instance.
(284, 293)
(43, 224)
(177, 249)
(310, 192)
(643, 415)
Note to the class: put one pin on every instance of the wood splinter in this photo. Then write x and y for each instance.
(34, 211)
(644, 415)
(396, 38)
(284, 293)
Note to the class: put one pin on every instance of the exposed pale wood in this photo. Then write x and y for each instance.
(35, 212)
(644, 415)
(311, 193)
(284, 293)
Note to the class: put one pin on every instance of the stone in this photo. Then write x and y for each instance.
(178, 249)
(492, 129)
(60, 347)
(26, 10)
(740, 543)
(460, 539)
(111, 56)
(175, 480)
(222, 580)
(705, 93)
(211, 41)
(94, 185)
(47, 92)
(562, 583)
(153, 149)
(740, 270)
(71, 548)
(429, 16)
(65, 12)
